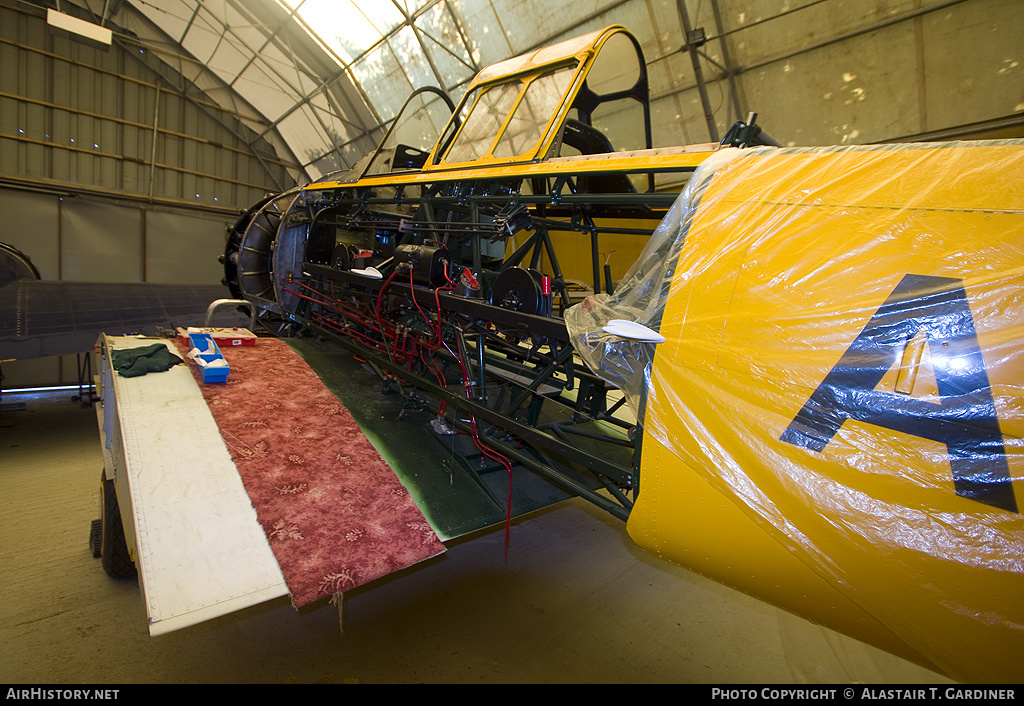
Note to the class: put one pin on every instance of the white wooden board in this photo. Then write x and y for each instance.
(200, 551)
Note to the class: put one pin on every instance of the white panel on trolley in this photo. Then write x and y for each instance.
(200, 551)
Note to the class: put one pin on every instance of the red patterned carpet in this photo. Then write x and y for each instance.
(336, 515)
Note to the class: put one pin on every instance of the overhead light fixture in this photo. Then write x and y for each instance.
(79, 27)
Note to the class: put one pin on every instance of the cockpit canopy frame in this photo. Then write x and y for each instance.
(518, 110)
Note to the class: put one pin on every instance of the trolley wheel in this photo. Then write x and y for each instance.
(96, 539)
(117, 561)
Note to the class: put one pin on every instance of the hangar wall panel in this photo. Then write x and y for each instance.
(182, 248)
(31, 223)
(78, 114)
(99, 242)
(836, 73)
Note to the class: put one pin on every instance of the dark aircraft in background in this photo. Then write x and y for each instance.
(41, 318)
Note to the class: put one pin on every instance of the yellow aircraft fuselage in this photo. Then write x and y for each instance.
(834, 421)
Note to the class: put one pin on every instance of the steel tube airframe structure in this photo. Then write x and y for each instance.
(804, 298)
(464, 195)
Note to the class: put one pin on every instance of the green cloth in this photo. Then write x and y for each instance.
(132, 362)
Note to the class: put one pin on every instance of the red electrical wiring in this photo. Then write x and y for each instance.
(489, 453)
(394, 345)
(483, 448)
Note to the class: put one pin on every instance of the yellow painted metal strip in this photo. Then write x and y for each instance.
(657, 160)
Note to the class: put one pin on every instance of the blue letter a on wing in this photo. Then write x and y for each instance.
(964, 420)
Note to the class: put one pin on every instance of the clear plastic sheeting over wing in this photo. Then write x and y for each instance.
(834, 421)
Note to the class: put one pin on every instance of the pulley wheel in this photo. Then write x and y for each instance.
(519, 289)
(342, 257)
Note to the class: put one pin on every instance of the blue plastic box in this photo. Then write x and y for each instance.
(209, 352)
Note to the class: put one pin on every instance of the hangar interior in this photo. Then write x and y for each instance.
(131, 143)
(196, 110)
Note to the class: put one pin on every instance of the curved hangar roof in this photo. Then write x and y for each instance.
(321, 79)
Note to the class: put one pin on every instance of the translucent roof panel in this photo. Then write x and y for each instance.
(326, 78)
(348, 27)
(444, 48)
(391, 48)
(388, 74)
(264, 90)
(305, 134)
(388, 49)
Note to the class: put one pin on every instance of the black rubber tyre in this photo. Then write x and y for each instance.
(117, 561)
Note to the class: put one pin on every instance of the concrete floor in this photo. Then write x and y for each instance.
(576, 602)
